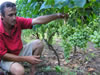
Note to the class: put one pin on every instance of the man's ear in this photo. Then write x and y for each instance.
(1, 17)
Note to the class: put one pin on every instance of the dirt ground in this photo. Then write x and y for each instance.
(82, 63)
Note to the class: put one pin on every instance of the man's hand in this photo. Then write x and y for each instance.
(33, 59)
(61, 15)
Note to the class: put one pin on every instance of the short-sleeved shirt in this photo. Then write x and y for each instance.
(12, 43)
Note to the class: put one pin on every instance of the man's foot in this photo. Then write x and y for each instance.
(32, 70)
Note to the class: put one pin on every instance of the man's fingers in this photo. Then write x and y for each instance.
(38, 57)
(38, 60)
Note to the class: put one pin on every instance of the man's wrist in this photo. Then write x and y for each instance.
(58, 15)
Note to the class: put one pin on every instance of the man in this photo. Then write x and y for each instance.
(12, 50)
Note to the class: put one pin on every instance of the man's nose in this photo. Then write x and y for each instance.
(14, 17)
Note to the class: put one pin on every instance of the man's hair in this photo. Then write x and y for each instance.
(6, 5)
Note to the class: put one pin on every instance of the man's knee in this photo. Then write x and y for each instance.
(38, 44)
(17, 69)
(37, 47)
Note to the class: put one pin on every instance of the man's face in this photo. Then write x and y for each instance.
(10, 16)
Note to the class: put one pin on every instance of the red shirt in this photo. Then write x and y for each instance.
(13, 44)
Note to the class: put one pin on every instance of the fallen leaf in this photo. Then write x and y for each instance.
(90, 49)
(91, 69)
(65, 63)
(74, 65)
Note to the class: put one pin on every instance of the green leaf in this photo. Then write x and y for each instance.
(29, 1)
(77, 3)
(58, 68)
(50, 2)
(48, 68)
(33, 4)
(44, 6)
(60, 3)
(98, 0)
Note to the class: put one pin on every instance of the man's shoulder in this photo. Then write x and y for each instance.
(19, 18)
(1, 30)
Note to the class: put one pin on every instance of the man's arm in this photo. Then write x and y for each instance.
(29, 59)
(48, 18)
(12, 57)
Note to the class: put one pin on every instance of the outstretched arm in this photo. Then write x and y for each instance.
(48, 18)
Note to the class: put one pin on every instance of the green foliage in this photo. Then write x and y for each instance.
(58, 68)
(95, 24)
(80, 37)
(83, 21)
(62, 3)
(67, 48)
(77, 3)
(26, 34)
(95, 38)
(66, 30)
(47, 69)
